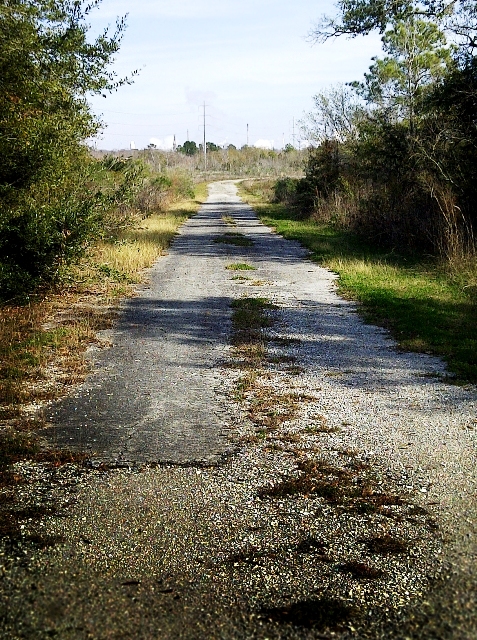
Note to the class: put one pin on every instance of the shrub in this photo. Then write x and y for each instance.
(285, 190)
(49, 205)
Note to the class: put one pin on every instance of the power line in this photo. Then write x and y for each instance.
(141, 124)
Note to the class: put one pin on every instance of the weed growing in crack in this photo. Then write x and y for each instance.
(267, 409)
(344, 486)
(313, 429)
(240, 266)
(249, 314)
(321, 426)
(236, 239)
(249, 317)
(289, 437)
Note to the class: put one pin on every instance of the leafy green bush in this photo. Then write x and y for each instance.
(284, 190)
(49, 204)
(410, 155)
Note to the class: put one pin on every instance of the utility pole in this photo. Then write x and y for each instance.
(247, 135)
(205, 145)
(293, 132)
(187, 134)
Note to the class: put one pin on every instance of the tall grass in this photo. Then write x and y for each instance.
(223, 163)
(133, 250)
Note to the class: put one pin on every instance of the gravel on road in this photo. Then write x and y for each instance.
(334, 498)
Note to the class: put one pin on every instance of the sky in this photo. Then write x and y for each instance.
(250, 61)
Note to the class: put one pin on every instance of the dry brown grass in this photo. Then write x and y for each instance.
(386, 545)
(266, 408)
(344, 485)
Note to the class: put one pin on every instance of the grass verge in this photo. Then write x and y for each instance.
(427, 306)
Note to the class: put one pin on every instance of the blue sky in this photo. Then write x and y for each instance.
(249, 60)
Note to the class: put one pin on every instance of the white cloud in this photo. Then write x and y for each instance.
(264, 144)
(164, 144)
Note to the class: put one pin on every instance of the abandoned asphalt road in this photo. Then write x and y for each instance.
(197, 526)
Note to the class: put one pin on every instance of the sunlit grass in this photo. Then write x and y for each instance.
(137, 249)
(240, 266)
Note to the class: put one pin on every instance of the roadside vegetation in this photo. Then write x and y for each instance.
(43, 341)
(428, 304)
(223, 163)
(388, 196)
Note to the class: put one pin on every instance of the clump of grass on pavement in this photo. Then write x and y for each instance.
(240, 266)
(236, 239)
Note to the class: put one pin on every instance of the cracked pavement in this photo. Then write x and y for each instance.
(177, 543)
